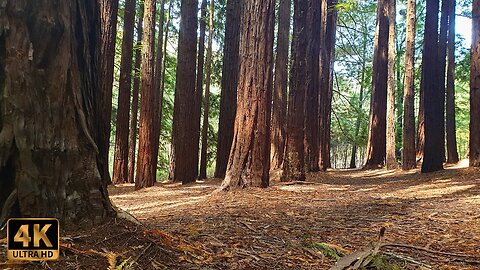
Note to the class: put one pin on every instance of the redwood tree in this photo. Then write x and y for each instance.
(391, 161)
(249, 162)
(185, 140)
(376, 147)
(279, 110)
(228, 96)
(441, 58)
(474, 147)
(49, 84)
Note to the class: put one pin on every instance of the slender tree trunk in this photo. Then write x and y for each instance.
(132, 136)
(432, 156)
(420, 144)
(409, 157)
(391, 160)
(171, 167)
(474, 146)
(147, 162)
(294, 163)
(228, 96)
(452, 153)
(206, 102)
(376, 145)
(108, 15)
(442, 62)
(185, 133)
(279, 113)
(249, 162)
(120, 162)
(158, 83)
(49, 84)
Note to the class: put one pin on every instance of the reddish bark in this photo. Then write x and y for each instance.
(474, 146)
(391, 161)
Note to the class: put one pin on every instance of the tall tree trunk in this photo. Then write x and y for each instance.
(420, 144)
(452, 153)
(132, 136)
(294, 163)
(120, 161)
(474, 146)
(49, 86)
(376, 145)
(228, 96)
(108, 15)
(279, 113)
(159, 91)
(171, 167)
(391, 160)
(442, 62)
(147, 162)
(249, 162)
(409, 157)
(432, 156)
(206, 100)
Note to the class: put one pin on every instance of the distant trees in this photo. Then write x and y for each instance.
(474, 148)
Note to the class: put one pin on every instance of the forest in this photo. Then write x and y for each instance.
(243, 134)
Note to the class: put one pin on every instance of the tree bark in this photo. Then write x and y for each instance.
(159, 91)
(108, 15)
(420, 144)
(294, 163)
(442, 62)
(474, 146)
(147, 161)
(376, 145)
(432, 156)
(391, 160)
(452, 152)
(409, 157)
(49, 86)
(279, 113)
(120, 161)
(206, 102)
(249, 162)
(228, 96)
(132, 136)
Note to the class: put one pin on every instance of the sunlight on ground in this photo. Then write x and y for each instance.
(430, 190)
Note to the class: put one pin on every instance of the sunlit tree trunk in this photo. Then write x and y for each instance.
(249, 162)
(474, 147)
(391, 160)
(442, 62)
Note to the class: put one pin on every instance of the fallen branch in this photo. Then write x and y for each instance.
(429, 250)
(407, 259)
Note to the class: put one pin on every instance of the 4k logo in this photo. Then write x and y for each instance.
(33, 239)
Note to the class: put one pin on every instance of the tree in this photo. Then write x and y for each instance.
(294, 163)
(249, 162)
(452, 153)
(442, 55)
(49, 82)
(279, 110)
(228, 96)
(132, 136)
(147, 161)
(206, 99)
(185, 141)
(409, 157)
(432, 156)
(376, 148)
(474, 147)
(120, 161)
(391, 160)
(312, 87)
(108, 15)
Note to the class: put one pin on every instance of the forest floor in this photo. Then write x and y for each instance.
(434, 219)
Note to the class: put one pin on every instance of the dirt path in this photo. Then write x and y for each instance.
(277, 228)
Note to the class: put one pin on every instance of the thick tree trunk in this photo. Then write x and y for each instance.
(132, 136)
(474, 146)
(185, 131)
(147, 161)
(228, 96)
(120, 162)
(108, 15)
(49, 87)
(442, 62)
(376, 145)
(249, 162)
(409, 157)
(294, 163)
(391, 160)
(206, 101)
(279, 113)
(452, 152)
(433, 154)
(159, 91)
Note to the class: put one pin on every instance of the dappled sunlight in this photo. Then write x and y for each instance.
(430, 190)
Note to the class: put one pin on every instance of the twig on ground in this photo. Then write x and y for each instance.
(407, 259)
(429, 250)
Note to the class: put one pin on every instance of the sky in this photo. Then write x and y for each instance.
(463, 27)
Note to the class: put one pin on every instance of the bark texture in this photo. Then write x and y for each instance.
(48, 120)
(442, 62)
(158, 83)
(391, 160)
(228, 96)
(249, 162)
(279, 110)
(474, 146)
